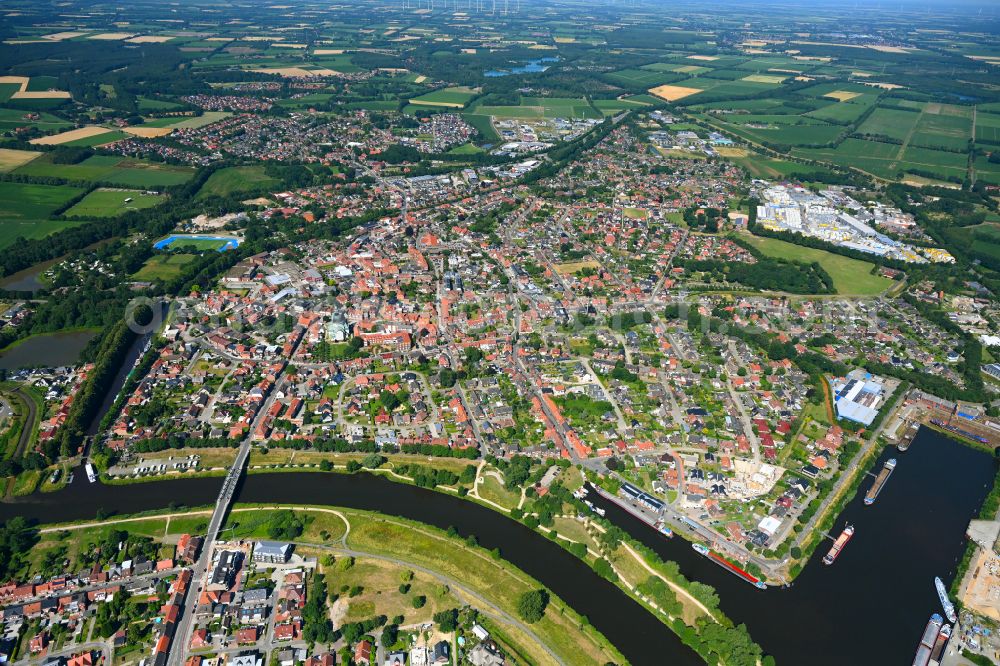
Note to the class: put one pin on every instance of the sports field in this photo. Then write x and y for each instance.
(163, 267)
(851, 277)
(109, 203)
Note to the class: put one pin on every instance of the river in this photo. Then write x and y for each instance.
(875, 599)
(869, 607)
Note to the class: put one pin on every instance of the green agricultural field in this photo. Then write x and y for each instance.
(169, 121)
(946, 164)
(236, 180)
(851, 277)
(25, 210)
(164, 266)
(8, 89)
(510, 111)
(483, 124)
(97, 139)
(311, 99)
(46, 122)
(944, 126)
(375, 105)
(146, 104)
(42, 83)
(879, 159)
(792, 135)
(206, 118)
(988, 172)
(643, 77)
(769, 168)
(893, 123)
(843, 112)
(111, 169)
(109, 203)
(543, 107)
(988, 129)
(610, 107)
(466, 149)
(457, 97)
(644, 99)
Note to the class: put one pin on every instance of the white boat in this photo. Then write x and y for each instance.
(91, 474)
(949, 608)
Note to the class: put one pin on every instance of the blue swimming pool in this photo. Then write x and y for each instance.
(226, 242)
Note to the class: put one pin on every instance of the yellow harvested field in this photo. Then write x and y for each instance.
(422, 102)
(112, 36)
(730, 151)
(288, 45)
(71, 135)
(420, 79)
(328, 51)
(785, 71)
(11, 159)
(763, 78)
(564, 40)
(148, 132)
(884, 48)
(883, 86)
(218, 39)
(842, 95)
(863, 75)
(149, 39)
(543, 47)
(59, 36)
(20, 80)
(672, 93)
(296, 72)
(40, 94)
(702, 57)
(893, 49)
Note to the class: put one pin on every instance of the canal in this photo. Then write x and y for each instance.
(869, 607)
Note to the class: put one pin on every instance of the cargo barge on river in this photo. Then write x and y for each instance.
(729, 566)
(838, 545)
(880, 480)
(935, 632)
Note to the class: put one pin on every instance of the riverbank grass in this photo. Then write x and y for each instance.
(561, 628)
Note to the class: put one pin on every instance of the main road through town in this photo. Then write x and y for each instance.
(185, 625)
